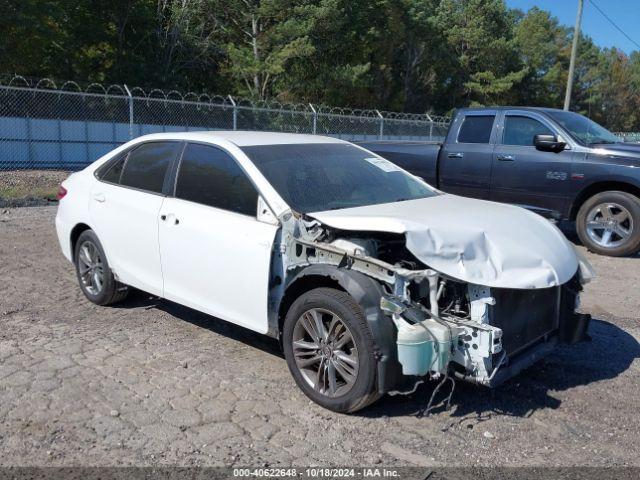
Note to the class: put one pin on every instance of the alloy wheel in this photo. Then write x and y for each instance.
(609, 225)
(91, 267)
(325, 352)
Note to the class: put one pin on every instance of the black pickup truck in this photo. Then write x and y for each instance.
(559, 164)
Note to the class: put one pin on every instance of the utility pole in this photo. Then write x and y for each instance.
(574, 51)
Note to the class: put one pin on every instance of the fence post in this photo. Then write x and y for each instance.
(59, 122)
(30, 156)
(315, 118)
(430, 126)
(381, 133)
(235, 112)
(130, 111)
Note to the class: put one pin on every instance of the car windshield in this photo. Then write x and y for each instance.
(330, 176)
(583, 129)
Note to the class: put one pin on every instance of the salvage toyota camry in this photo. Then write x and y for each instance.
(371, 279)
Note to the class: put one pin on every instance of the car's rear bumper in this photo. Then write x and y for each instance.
(63, 231)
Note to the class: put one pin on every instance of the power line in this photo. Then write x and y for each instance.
(592, 2)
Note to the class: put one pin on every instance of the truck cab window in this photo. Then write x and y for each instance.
(520, 130)
(476, 129)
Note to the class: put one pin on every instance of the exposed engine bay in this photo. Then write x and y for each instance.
(443, 325)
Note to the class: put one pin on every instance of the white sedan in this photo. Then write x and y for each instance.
(371, 279)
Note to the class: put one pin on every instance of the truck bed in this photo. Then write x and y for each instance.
(420, 158)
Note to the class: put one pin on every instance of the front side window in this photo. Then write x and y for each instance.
(147, 165)
(476, 129)
(519, 130)
(210, 176)
(330, 176)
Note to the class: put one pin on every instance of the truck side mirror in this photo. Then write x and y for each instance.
(548, 143)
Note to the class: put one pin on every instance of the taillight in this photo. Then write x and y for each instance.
(61, 192)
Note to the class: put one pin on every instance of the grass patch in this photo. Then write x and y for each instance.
(24, 191)
(29, 187)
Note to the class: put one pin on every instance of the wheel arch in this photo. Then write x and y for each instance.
(76, 231)
(367, 293)
(599, 187)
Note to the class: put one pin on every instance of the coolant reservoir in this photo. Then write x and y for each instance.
(424, 347)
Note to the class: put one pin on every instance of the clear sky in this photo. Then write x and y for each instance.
(625, 13)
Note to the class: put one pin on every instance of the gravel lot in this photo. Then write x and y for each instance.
(152, 383)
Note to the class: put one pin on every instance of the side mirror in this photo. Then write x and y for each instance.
(548, 143)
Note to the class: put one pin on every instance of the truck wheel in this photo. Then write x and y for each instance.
(609, 224)
(94, 275)
(330, 350)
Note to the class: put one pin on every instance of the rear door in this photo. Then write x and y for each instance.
(124, 208)
(215, 254)
(465, 159)
(523, 175)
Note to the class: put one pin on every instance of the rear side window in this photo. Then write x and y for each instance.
(114, 171)
(210, 176)
(147, 165)
(520, 130)
(476, 129)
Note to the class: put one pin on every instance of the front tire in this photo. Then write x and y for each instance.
(609, 224)
(330, 351)
(94, 275)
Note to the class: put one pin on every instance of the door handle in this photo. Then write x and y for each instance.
(455, 155)
(163, 217)
(506, 158)
(99, 197)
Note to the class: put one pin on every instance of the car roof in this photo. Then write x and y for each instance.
(242, 138)
(506, 107)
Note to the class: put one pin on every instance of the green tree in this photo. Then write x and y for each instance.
(544, 48)
(485, 65)
(611, 97)
(411, 55)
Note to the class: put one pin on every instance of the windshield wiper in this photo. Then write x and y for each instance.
(602, 142)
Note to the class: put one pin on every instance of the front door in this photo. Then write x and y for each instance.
(465, 163)
(215, 254)
(525, 176)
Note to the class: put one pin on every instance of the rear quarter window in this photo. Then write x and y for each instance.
(111, 171)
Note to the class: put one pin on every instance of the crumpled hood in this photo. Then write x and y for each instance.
(476, 241)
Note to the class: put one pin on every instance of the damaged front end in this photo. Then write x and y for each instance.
(442, 325)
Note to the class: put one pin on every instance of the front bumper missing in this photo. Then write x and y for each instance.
(513, 366)
(573, 330)
(533, 328)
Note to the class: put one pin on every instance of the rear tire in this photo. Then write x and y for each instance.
(94, 274)
(609, 224)
(333, 363)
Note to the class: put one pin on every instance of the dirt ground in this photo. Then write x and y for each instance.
(151, 383)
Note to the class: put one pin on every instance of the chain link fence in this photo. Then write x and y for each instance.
(629, 137)
(48, 126)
